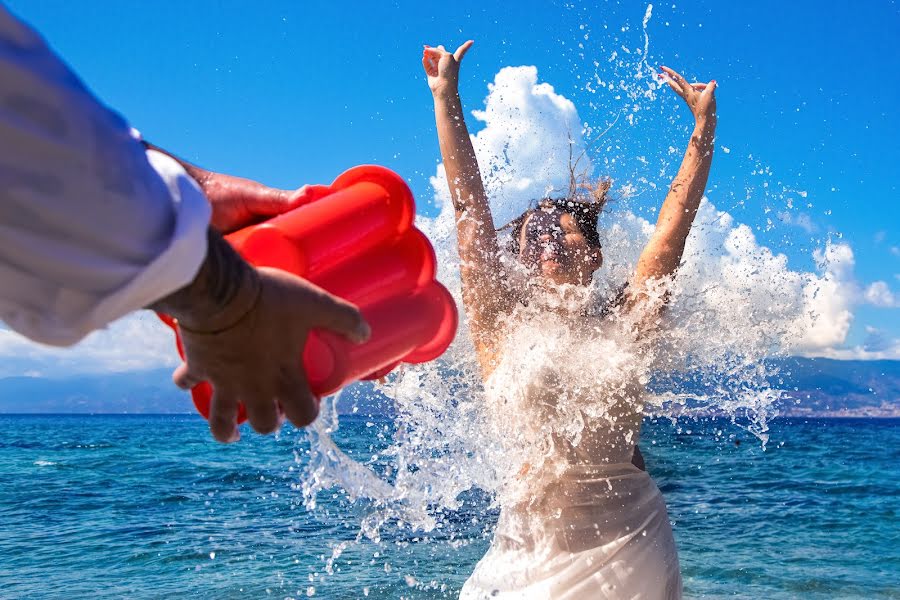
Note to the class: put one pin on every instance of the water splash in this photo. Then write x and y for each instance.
(734, 304)
(644, 66)
(330, 467)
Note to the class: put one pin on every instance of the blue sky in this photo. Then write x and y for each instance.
(295, 92)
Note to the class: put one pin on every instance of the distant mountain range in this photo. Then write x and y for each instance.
(824, 387)
(817, 387)
(140, 392)
(134, 392)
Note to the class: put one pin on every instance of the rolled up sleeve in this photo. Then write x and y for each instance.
(92, 226)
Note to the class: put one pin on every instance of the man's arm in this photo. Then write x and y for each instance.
(94, 226)
(662, 255)
(485, 295)
(237, 202)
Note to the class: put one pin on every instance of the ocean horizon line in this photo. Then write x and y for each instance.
(788, 417)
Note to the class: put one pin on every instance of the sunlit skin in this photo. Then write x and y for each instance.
(237, 202)
(573, 262)
(486, 296)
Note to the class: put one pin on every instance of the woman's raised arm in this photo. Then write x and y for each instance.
(662, 255)
(485, 294)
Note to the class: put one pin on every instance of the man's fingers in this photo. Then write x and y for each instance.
(339, 316)
(299, 404)
(272, 203)
(262, 411)
(223, 411)
(461, 51)
(183, 378)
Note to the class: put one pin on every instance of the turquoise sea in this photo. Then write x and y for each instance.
(150, 507)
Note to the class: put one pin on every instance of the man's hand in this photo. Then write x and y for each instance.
(442, 68)
(237, 202)
(700, 97)
(244, 330)
(257, 361)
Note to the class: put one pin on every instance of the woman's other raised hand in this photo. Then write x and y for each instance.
(442, 67)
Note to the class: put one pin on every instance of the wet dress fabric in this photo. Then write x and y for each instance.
(577, 519)
(599, 532)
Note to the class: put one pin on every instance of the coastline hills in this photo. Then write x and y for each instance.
(817, 387)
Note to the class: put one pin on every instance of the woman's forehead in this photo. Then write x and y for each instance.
(567, 220)
(543, 219)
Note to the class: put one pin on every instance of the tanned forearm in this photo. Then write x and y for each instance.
(201, 176)
(480, 270)
(458, 154)
(216, 184)
(224, 290)
(237, 202)
(681, 203)
(666, 247)
(475, 225)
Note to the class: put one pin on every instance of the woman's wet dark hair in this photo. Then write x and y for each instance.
(585, 208)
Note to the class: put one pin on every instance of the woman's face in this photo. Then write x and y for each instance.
(552, 243)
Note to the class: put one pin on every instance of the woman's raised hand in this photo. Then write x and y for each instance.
(442, 67)
(700, 97)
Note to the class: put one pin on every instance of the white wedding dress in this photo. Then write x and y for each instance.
(577, 519)
(608, 537)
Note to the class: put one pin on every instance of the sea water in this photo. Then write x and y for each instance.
(152, 507)
(368, 505)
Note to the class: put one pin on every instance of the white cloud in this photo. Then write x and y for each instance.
(523, 148)
(137, 342)
(878, 341)
(749, 296)
(895, 250)
(891, 351)
(879, 294)
(748, 293)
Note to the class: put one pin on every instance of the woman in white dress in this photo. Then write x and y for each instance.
(578, 519)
